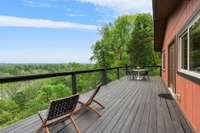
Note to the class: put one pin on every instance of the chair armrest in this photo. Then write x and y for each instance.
(43, 115)
(40, 116)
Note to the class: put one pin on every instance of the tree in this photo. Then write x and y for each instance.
(102, 54)
(141, 49)
(111, 49)
(7, 110)
(20, 99)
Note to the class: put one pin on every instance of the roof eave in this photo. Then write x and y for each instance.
(161, 12)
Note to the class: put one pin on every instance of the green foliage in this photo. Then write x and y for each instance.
(141, 48)
(22, 99)
(5, 117)
(7, 110)
(8, 105)
(111, 49)
(129, 40)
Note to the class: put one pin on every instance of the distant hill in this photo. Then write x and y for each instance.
(25, 69)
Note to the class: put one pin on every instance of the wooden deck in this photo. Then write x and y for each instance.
(131, 107)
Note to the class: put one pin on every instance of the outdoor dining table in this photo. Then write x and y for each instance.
(138, 71)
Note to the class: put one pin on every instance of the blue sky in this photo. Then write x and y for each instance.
(57, 31)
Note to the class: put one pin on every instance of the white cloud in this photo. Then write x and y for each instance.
(124, 6)
(74, 15)
(31, 3)
(12, 21)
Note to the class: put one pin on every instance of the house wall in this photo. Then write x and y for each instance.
(187, 89)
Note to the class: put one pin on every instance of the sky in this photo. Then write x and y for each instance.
(57, 31)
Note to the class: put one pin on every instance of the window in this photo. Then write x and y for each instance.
(189, 48)
(184, 51)
(194, 47)
(163, 60)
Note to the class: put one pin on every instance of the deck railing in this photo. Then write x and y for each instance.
(73, 75)
(68, 79)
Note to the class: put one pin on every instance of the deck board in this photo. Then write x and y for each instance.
(131, 107)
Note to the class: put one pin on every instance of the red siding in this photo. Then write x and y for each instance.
(189, 91)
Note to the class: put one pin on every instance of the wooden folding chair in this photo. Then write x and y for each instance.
(59, 111)
(88, 103)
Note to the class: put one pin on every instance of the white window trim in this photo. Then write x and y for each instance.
(188, 48)
(180, 51)
(191, 73)
(186, 31)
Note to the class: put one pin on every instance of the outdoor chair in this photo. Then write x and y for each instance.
(59, 111)
(134, 75)
(145, 75)
(88, 103)
(129, 75)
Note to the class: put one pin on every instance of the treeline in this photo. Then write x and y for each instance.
(26, 69)
(129, 40)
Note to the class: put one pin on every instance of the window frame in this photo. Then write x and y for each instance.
(186, 31)
(180, 50)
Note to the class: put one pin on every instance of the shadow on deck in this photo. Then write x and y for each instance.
(131, 107)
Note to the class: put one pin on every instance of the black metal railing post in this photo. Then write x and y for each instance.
(118, 74)
(126, 69)
(74, 89)
(104, 77)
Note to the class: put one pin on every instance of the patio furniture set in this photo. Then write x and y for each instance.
(138, 74)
